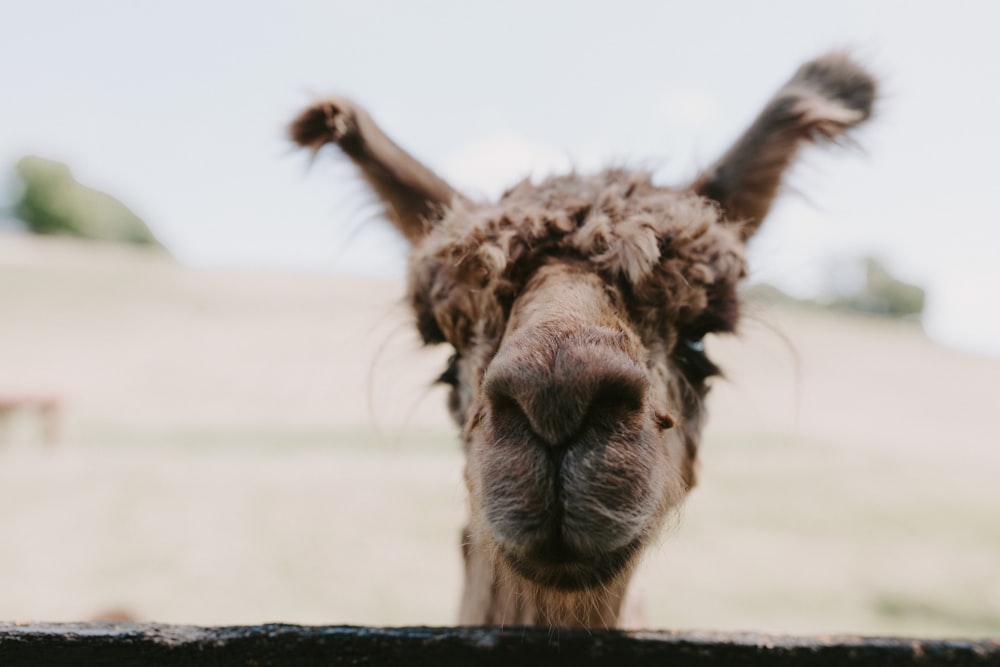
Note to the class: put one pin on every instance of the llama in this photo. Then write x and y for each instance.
(577, 310)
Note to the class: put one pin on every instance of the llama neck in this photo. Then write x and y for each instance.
(494, 595)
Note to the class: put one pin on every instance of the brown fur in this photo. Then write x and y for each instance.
(576, 308)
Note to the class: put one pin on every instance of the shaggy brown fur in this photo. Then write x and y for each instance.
(576, 308)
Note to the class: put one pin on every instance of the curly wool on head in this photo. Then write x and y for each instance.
(664, 244)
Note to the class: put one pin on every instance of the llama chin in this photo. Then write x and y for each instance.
(576, 309)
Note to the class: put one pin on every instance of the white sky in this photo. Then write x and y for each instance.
(179, 110)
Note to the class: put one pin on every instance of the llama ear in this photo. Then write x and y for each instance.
(823, 100)
(413, 195)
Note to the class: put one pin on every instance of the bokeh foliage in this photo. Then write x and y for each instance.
(52, 201)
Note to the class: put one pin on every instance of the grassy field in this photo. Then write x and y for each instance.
(244, 447)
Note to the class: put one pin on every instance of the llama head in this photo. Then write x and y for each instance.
(577, 309)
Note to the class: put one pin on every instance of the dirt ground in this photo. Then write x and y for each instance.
(240, 447)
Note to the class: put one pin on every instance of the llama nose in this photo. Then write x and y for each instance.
(561, 387)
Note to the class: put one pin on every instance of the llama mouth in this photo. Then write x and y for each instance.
(555, 530)
(556, 566)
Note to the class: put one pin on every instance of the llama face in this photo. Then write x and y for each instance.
(577, 309)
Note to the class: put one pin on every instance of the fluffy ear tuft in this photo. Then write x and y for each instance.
(413, 195)
(323, 123)
(823, 100)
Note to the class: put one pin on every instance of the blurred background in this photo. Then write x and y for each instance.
(213, 410)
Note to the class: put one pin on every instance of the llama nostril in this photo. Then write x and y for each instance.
(619, 393)
(559, 393)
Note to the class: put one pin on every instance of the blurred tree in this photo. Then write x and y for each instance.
(877, 292)
(884, 294)
(53, 202)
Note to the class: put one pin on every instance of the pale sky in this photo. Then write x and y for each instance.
(178, 109)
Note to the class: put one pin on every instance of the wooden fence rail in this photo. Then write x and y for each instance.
(258, 646)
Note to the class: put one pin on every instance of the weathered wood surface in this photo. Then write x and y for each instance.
(258, 646)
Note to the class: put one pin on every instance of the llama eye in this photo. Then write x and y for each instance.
(450, 375)
(697, 346)
(691, 357)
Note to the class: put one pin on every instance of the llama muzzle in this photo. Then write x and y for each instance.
(563, 385)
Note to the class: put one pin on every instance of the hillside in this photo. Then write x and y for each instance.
(249, 446)
(129, 339)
